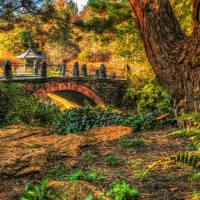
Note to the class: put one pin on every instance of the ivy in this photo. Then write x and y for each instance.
(80, 119)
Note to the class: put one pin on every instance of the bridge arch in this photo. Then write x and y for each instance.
(69, 86)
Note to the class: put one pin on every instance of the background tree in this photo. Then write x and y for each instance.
(113, 29)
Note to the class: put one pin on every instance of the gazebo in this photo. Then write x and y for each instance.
(29, 54)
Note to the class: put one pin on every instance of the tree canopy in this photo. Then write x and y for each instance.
(37, 23)
(107, 28)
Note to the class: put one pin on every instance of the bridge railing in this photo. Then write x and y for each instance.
(54, 70)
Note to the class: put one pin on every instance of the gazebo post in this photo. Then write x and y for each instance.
(24, 65)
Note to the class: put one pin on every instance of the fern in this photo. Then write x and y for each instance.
(188, 159)
(195, 176)
(193, 131)
(194, 117)
(153, 165)
(182, 132)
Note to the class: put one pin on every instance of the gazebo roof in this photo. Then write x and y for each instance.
(30, 54)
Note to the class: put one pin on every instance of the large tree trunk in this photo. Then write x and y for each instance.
(175, 58)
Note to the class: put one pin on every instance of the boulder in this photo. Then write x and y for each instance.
(26, 150)
(76, 190)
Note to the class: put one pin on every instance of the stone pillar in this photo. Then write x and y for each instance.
(43, 69)
(102, 71)
(7, 70)
(75, 70)
(84, 70)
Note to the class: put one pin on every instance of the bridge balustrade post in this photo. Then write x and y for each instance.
(127, 71)
(75, 70)
(112, 75)
(83, 71)
(44, 69)
(102, 71)
(97, 73)
(35, 67)
(63, 68)
(7, 70)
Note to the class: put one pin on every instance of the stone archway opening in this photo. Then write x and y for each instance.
(67, 99)
(71, 87)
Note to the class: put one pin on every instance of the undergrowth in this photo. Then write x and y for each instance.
(35, 192)
(145, 94)
(17, 107)
(185, 158)
(81, 119)
(62, 173)
(121, 191)
(192, 131)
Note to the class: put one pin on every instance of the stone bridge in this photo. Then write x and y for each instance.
(101, 90)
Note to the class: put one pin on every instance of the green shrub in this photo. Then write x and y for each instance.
(145, 95)
(17, 107)
(141, 122)
(7, 93)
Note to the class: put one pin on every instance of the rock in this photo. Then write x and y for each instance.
(75, 190)
(16, 132)
(67, 146)
(106, 133)
(18, 160)
(27, 149)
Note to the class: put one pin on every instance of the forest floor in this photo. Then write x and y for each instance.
(108, 163)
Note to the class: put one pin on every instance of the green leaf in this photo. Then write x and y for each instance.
(44, 184)
(88, 197)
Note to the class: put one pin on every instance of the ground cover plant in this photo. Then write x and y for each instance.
(63, 173)
(81, 119)
(35, 192)
(140, 163)
(192, 130)
(122, 191)
(17, 107)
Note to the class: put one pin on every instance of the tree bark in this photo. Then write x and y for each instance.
(175, 58)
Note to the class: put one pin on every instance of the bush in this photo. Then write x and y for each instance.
(145, 94)
(20, 108)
